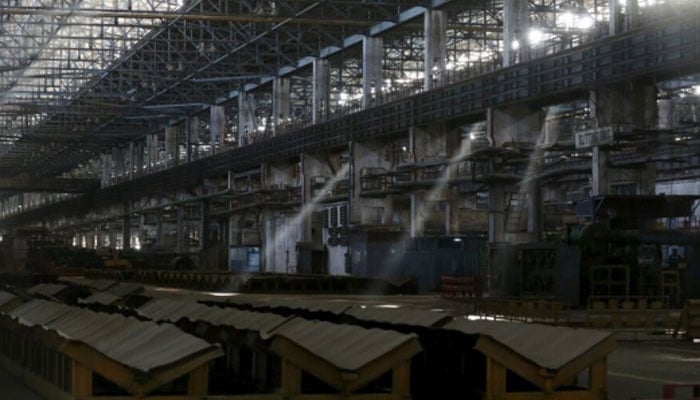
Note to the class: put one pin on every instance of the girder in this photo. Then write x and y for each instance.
(547, 80)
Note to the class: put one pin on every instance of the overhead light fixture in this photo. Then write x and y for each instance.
(535, 36)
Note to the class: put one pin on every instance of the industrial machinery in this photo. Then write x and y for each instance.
(621, 246)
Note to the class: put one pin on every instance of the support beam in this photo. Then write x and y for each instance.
(321, 92)
(372, 54)
(435, 53)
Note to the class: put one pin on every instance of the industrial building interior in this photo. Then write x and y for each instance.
(349, 200)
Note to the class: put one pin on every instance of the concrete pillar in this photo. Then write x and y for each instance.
(599, 173)
(517, 123)
(117, 162)
(126, 228)
(435, 53)
(152, 152)
(281, 106)
(204, 238)
(626, 106)
(147, 155)
(372, 55)
(155, 150)
(497, 213)
(172, 144)
(105, 170)
(614, 22)
(246, 117)
(632, 14)
(632, 104)
(180, 230)
(516, 23)
(192, 138)
(534, 210)
(189, 129)
(368, 154)
(138, 159)
(130, 157)
(666, 113)
(321, 84)
(217, 126)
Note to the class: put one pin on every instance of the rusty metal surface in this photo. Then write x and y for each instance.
(103, 298)
(6, 297)
(47, 289)
(347, 347)
(550, 347)
(140, 345)
(400, 316)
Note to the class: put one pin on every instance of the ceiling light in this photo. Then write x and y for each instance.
(535, 36)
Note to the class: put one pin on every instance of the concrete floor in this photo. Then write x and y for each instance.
(638, 370)
(11, 389)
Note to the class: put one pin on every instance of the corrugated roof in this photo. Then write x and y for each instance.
(244, 320)
(347, 347)
(549, 347)
(47, 289)
(6, 297)
(38, 312)
(170, 309)
(140, 345)
(400, 316)
(174, 310)
(103, 298)
(306, 305)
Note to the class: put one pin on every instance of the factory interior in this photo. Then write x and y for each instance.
(349, 199)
